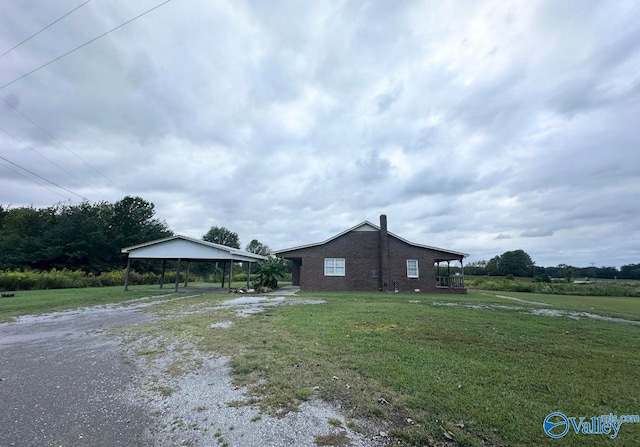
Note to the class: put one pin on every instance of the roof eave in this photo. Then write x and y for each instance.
(230, 250)
(366, 222)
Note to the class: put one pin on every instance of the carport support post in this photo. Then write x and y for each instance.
(126, 275)
(248, 274)
(186, 280)
(230, 273)
(178, 274)
(164, 267)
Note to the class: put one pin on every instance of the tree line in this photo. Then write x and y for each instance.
(88, 237)
(519, 263)
(84, 236)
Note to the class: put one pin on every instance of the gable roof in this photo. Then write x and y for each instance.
(368, 226)
(183, 247)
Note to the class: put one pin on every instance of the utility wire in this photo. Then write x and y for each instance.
(34, 181)
(84, 44)
(49, 160)
(48, 26)
(61, 144)
(42, 178)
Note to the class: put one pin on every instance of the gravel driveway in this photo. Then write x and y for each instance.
(66, 382)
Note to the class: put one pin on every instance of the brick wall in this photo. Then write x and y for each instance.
(361, 251)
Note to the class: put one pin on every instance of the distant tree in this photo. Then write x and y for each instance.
(258, 248)
(516, 263)
(568, 275)
(542, 278)
(494, 266)
(3, 214)
(222, 236)
(133, 222)
(82, 236)
(22, 238)
(476, 268)
(630, 271)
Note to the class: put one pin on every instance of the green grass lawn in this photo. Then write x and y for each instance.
(482, 371)
(421, 369)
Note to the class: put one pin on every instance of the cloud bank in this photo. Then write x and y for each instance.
(479, 127)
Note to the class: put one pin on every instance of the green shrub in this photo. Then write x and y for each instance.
(605, 288)
(11, 280)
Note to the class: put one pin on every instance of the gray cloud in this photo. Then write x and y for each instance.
(481, 127)
(502, 236)
(385, 100)
(537, 232)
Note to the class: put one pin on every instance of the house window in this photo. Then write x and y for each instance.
(375, 273)
(412, 268)
(333, 266)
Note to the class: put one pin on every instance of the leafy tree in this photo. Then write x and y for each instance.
(269, 271)
(568, 276)
(80, 240)
(476, 268)
(630, 271)
(222, 236)
(516, 263)
(84, 236)
(258, 248)
(133, 222)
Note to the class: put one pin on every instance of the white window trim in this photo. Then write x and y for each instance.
(417, 275)
(333, 269)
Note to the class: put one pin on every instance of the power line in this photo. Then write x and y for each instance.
(48, 26)
(42, 178)
(49, 160)
(84, 44)
(34, 181)
(61, 144)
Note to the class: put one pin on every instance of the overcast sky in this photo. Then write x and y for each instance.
(480, 127)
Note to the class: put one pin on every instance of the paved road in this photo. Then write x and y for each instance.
(63, 382)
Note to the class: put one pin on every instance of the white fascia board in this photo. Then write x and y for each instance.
(183, 247)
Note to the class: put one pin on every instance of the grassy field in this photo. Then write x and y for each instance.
(479, 369)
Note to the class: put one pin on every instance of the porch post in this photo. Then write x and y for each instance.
(164, 267)
(449, 273)
(178, 274)
(126, 275)
(230, 273)
(462, 270)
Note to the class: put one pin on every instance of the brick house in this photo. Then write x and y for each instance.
(368, 257)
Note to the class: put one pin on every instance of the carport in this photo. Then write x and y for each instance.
(185, 249)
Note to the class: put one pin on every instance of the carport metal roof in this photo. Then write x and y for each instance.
(183, 248)
(186, 248)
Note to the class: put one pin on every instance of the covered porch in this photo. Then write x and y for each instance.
(449, 276)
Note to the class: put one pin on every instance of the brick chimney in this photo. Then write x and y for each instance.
(384, 254)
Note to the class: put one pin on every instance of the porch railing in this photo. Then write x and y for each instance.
(453, 282)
